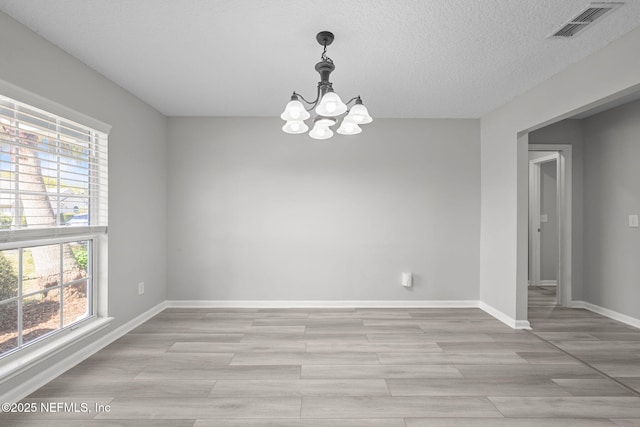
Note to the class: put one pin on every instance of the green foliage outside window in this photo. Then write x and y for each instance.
(5, 221)
(80, 253)
(8, 279)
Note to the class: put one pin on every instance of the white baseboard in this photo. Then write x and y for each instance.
(515, 324)
(318, 304)
(507, 320)
(53, 371)
(631, 321)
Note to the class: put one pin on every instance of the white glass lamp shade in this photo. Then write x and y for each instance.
(295, 127)
(321, 132)
(349, 128)
(325, 121)
(294, 111)
(359, 115)
(331, 105)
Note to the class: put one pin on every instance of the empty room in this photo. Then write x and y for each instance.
(385, 213)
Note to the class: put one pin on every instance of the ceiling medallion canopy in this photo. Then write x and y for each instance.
(328, 106)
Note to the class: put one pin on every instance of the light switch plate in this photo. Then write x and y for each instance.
(544, 218)
(633, 221)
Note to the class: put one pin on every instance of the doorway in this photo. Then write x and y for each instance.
(549, 225)
(544, 241)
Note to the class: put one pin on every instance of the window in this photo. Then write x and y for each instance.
(53, 215)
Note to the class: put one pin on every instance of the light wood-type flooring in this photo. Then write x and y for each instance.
(356, 367)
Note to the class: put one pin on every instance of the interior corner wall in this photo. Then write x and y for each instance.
(570, 132)
(612, 193)
(609, 72)
(257, 214)
(137, 163)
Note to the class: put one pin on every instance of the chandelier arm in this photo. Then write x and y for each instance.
(313, 103)
(355, 98)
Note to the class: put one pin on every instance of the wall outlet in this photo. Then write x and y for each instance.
(633, 221)
(407, 280)
(140, 288)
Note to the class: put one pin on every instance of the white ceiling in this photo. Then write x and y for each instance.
(406, 58)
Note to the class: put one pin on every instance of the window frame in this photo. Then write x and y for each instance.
(27, 355)
(92, 288)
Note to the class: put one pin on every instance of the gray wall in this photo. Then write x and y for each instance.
(256, 214)
(612, 193)
(137, 163)
(549, 229)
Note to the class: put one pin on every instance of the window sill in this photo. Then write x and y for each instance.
(28, 358)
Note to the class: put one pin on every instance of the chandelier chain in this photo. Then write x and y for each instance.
(324, 56)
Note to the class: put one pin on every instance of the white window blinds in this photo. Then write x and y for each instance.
(53, 172)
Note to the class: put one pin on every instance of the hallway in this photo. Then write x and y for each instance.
(608, 347)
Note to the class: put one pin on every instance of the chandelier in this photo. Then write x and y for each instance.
(328, 106)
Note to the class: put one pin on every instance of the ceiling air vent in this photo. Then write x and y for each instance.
(589, 15)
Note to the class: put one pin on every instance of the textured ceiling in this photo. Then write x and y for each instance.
(406, 58)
